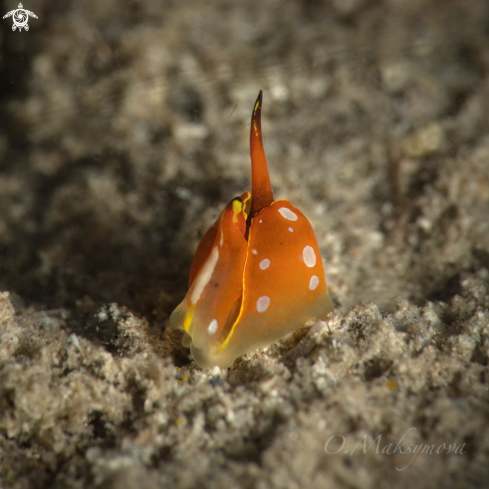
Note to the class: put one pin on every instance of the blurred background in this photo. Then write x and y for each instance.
(124, 131)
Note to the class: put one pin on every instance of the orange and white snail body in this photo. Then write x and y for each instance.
(257, 274)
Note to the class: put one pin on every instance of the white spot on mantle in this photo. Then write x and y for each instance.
(212, 328)
(205, 275)
(264, 264)
(314, 282)
(262, 303)
(291, 230)
(288, 214)
(309, 256)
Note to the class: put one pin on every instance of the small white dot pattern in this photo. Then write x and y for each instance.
(314, 282)
(212, 328)
(288, 214)
(309, 256)
(262, 303)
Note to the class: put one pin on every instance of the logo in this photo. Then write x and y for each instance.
(20, 16)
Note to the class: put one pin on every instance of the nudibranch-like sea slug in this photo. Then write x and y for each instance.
(257, 274)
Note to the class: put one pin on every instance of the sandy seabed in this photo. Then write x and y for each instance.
(124, 132)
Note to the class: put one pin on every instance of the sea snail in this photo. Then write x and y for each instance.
(257, 274)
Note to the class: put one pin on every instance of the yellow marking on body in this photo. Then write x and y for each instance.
(256, 107)
(237, 209)
(246, 205)
(188, 318)
(224, 344)
(226, 341)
